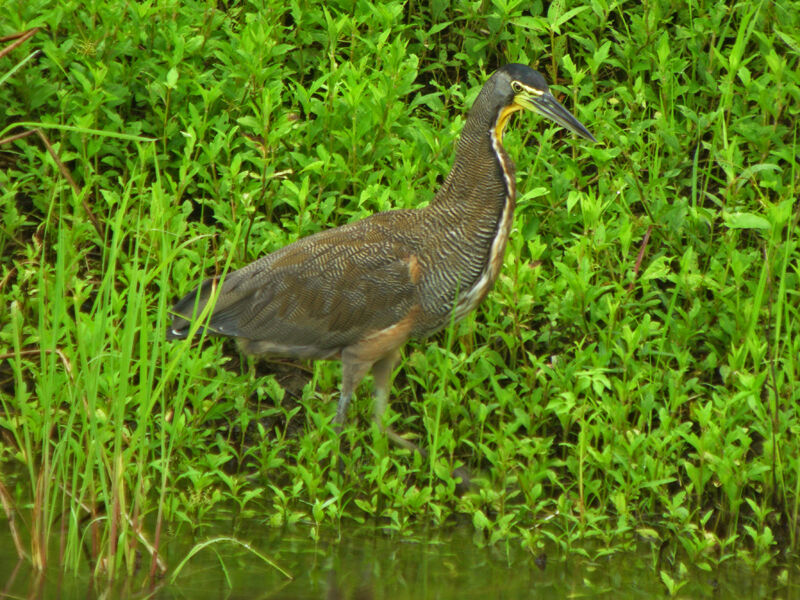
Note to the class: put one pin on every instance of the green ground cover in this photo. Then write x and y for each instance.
(631, 379)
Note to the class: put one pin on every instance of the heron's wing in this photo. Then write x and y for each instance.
(317, 295)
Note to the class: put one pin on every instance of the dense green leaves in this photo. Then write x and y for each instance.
(632, 376)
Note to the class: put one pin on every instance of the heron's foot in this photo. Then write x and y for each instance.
(461, 473)
(466, 480)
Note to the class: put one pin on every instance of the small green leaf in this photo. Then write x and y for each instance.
(658, 269)
(172, 78)
(745, 220)
(479, 520)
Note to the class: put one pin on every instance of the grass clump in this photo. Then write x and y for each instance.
(631, 377)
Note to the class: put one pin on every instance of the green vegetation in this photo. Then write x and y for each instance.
(631, 380)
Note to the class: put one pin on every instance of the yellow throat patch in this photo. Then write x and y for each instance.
(502, 120)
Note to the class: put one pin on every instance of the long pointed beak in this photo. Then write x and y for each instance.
(547, 106)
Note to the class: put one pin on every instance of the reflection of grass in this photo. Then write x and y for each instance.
(607, 390)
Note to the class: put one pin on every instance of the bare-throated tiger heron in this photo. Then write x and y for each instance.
(358, 292)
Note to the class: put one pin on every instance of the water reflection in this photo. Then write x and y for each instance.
(362, 566)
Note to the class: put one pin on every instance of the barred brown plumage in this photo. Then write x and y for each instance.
(360, 291)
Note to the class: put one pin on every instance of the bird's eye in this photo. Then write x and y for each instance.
(516, 86)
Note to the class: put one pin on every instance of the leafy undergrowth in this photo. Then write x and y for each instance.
(632, 376)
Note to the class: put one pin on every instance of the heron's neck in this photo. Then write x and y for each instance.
(482, 179)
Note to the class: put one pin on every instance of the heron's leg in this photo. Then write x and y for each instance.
(353, 371)
(341, 408)
(382, 373)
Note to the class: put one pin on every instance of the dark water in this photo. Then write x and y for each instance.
(364, 566)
